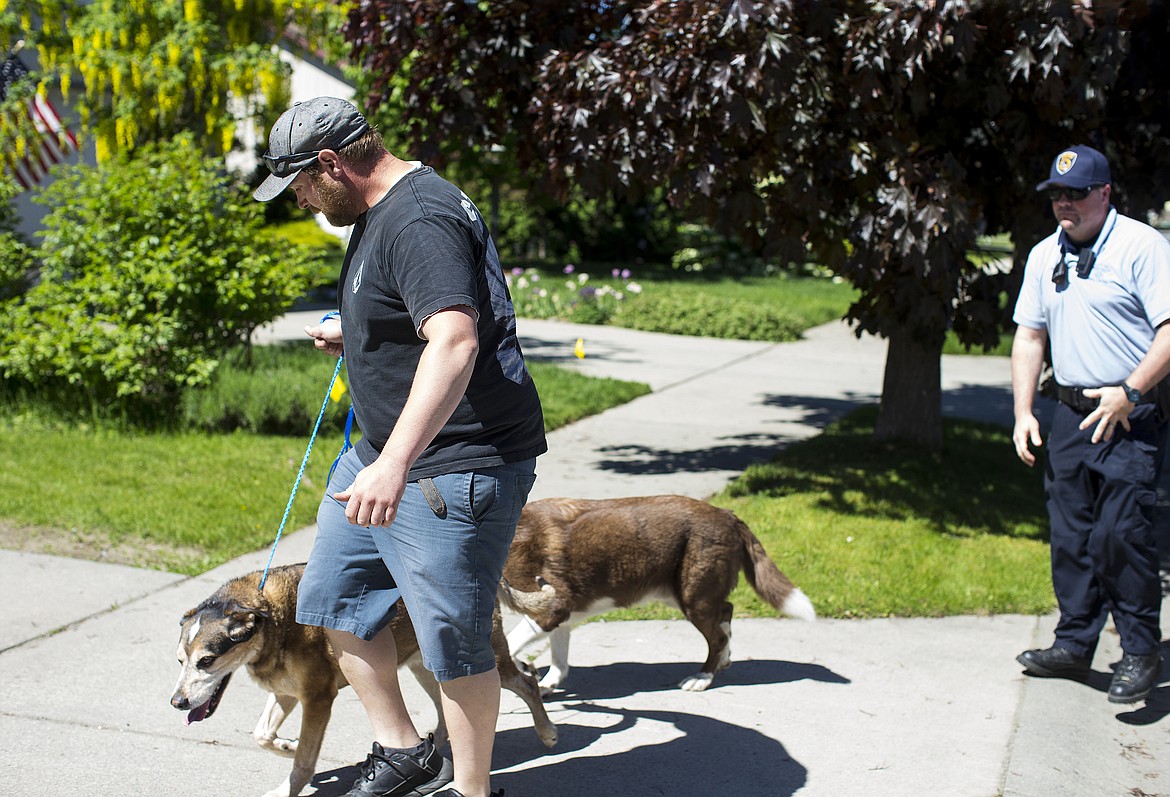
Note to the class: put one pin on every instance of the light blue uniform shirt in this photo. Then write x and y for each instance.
(1100, 326)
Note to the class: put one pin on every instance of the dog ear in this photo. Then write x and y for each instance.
(242, 621)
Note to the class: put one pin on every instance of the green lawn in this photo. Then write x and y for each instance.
(186, 501)
(866, 529)
(874, 530)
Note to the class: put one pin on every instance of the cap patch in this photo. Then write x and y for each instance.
(1065, 162)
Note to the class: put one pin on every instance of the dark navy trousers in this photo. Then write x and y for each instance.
(1101, 501)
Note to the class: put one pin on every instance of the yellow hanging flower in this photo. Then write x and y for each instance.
(101, 148)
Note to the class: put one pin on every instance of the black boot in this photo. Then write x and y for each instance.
(1055, 663)
(1134, 677)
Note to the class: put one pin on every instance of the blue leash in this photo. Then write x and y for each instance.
(296, 484)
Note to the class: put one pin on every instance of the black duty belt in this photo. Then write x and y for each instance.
(1075, 398)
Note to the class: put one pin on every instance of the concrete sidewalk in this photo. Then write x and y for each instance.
(881, 708)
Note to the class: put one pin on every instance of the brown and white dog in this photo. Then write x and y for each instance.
(572, 559)
(239, 626)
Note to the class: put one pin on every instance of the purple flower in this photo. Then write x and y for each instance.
(517, 271)
(569, 269)
(625, 273)
(588, 292)
(617, 272)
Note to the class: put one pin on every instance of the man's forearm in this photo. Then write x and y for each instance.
(1027, 362)
(443, 374)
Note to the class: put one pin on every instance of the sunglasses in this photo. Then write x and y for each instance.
(1074, 194)
(282, 165)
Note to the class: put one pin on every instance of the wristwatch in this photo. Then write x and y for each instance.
(1132, 393)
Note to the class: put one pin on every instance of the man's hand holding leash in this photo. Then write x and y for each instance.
(327, 335)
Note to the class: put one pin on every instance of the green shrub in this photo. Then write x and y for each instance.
(280, 393)
(307, 233)
(15, 257)
(152, 267)
(709, 316)
(703, 250)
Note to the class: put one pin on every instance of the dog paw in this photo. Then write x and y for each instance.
(287, 747)
(549, 685)
(697, 682)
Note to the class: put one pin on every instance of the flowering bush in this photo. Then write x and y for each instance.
(577, 297)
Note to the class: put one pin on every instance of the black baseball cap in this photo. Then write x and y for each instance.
(301, 133)
(1077, 167)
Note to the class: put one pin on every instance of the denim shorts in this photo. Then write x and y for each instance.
(446, 570)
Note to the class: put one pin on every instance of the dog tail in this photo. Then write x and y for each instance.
(769, 582)
(531, 603)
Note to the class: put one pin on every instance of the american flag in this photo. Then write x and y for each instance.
(54, 139)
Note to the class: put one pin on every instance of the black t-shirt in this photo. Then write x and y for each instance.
(423, 248)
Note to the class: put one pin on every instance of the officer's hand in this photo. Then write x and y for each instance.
(1113, 409)
(1027, 431)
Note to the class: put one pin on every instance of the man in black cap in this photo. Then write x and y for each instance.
(426, 504)
(1098, 289)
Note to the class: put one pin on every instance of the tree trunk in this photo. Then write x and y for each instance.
(911, 405)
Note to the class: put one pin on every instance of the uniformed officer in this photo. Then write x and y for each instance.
(1098, 289)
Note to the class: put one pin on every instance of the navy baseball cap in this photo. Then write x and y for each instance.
(1077, 167)
(301, 133)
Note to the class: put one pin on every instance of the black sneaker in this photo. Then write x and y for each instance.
(457, 793)
(394, 773)
(1134, 678)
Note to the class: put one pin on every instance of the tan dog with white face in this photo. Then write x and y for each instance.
(239, 626)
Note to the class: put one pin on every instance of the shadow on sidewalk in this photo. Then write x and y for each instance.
(707, 757)
(640, 460)
(613, 681)
(819, 412)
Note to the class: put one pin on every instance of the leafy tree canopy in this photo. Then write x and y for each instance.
(880, 138)
(151, 69)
